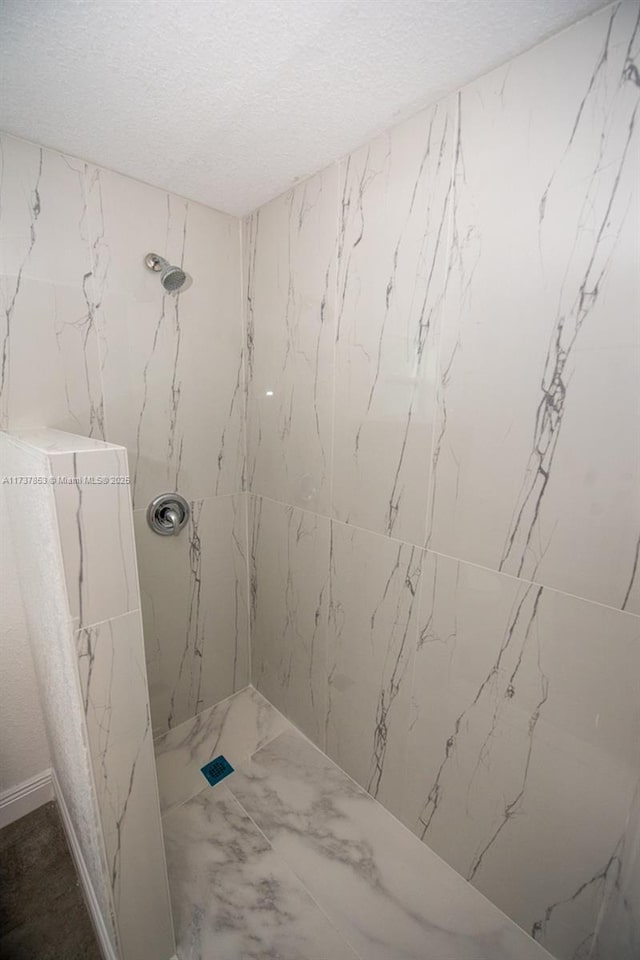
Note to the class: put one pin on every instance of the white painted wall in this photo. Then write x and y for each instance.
(24, 752)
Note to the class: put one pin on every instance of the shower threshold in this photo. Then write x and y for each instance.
(288, 858)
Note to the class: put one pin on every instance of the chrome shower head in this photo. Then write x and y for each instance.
(172, 278)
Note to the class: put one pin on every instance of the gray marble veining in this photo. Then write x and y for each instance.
(194, 602)
(46, 293)
(372, 631)
(235, 727)
(619, 932)
(233, 897)
(511, 717)
(289, 584)
(540, 351)
(486, 369)
(288, 857)
(112, 680)
(158, 349)
(289, 284)
(388, 894)
(392, 251)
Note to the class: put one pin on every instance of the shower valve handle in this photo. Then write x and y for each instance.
(168, 514)
(172, 517)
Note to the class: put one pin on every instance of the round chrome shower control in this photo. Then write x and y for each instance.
(168, 514)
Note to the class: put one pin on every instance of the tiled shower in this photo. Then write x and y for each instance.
(402, 402)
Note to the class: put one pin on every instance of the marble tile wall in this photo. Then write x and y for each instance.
(88, 648)
(541, 340)
(619, 932)
(289, 605)
(290, 254)
(441, 362)
(444, 564)
(90, 343)
(194, 591)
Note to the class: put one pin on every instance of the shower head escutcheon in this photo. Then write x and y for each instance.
(172, 278)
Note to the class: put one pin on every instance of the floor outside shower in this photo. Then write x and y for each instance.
(288, 859)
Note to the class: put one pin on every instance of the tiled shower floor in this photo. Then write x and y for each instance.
(288, 859)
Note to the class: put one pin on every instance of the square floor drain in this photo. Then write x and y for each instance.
(216, 770)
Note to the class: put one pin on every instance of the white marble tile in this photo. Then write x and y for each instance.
(289, 569)
(290, 287)
(46, 294)
(619, 932)
(235, 727)
(372, 632)
(387, 894)
(114, 691)
(96, 534)
(194, 604)
(171, 364)
(48, 441)
(233, 897)
(536, 460)
(392, 245)
(523, 732)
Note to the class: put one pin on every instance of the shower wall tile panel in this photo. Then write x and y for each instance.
(394, 204)
(537, 463)
(290, 249)
(90, 343)
(619, 933)
(373, 618)
(174, 394)
(486, 302)
(114, 693)
(523, 731)
(194, 601)
(96, 535)
(289, 571)
(171, 366)
(49, 362)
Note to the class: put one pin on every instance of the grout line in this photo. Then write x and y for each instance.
(535, 583)
(452, 114)
(177, 806)
(448, 556)
(292, 870)
(247, 584)
(98, 321)
(245, 235)
(330, 519)
(450, 105)
(406, 829)
(216, 496)
(340, 173)
(191, 721)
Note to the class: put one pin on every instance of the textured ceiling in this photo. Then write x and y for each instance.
(229, 101)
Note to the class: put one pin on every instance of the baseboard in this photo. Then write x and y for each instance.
(102, 934)
(30, 795)
(26, 797)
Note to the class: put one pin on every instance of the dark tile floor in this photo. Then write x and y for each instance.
(42, 913)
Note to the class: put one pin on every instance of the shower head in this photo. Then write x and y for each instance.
(172, 278)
